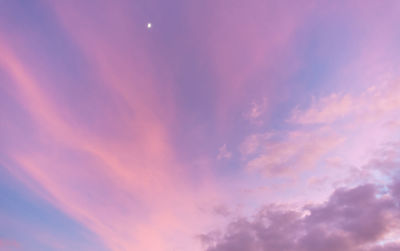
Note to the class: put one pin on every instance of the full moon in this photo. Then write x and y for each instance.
(148, 25)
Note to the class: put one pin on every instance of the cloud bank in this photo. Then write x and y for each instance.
(363, 218)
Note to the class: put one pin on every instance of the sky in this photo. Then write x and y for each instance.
(212, 125)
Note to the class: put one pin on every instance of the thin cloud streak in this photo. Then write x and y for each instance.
(147, 138)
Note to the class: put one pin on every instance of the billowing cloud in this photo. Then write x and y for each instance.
(353, 219)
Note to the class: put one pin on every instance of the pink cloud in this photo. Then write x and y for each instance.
(341, 140)
(6, 244)
(117, 170)
(252, 143)
(294, 152)
(124, 186)
(325, 111)
(257, 110)
(373, 104)
(224, 153)
(319, 131)
(352, 219)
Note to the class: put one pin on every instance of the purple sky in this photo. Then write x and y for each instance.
(240, 125)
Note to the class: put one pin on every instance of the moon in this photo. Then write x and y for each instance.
(148, 25)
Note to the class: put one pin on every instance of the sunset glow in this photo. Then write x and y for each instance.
(240, 125)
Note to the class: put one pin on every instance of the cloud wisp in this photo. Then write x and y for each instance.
(143, 138)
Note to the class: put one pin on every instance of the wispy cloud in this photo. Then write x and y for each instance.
(223, 153)
(127, 132)
(256, 111)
